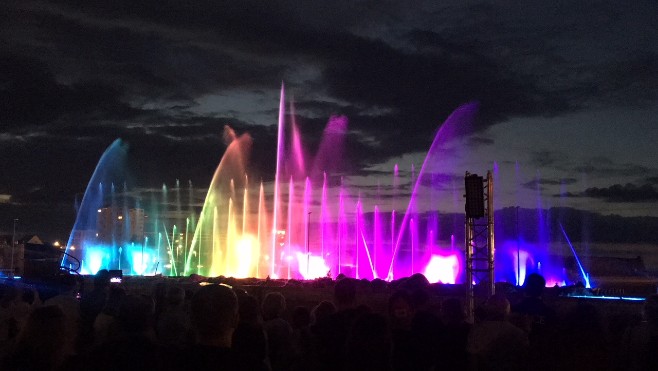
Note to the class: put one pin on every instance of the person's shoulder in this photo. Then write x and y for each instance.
(248, 362)
(348, 314)
(277, 324)
(220, 358)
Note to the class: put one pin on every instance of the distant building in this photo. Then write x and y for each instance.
(116, 224)
(12, 260)
(614, 275)
(41, 260)
(5, 251)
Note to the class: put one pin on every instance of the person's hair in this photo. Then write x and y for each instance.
(420, 298)
(8, 294)
(44, 338)
(322, 311)
(214, 310)
(67, 282)
(114, 298)
(452, 310)
(136, 313)
(28, 295)
(240, 292)
(369, 343)
(497, 308)
(301, 317)
(416, 281)
(274, 304)
(249, 309)
(651, 308)
(345, 292)
(175, 295)
(534, 285)
(101, 279)
(400, 295)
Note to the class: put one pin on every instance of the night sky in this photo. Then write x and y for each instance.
(567, 94)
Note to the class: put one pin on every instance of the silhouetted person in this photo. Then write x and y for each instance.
(537, 319)
(249, 337)
(321, 312)
(106, 322)
(369, 344)
(12, 314)
(173, 326)
(67, 300)
(333, 331)
(43, 344)
(425, 327)
(581, 343)
(640, 342)
(494, 343)
(91, 305)
(214, 314)
(406, 348)
(278, 330)
(160, 297)
(301, 323)
(301, 318)
(133, 345)
(537, 314)
(451, 351)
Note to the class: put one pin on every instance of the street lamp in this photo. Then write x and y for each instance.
(518, 250)
(308, 249)
(13, 245)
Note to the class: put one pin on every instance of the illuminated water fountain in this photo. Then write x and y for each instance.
(306, 227)
(310, 221)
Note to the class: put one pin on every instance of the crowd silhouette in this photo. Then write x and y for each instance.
(223, 326)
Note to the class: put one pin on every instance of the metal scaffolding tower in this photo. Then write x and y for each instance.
(479, 239)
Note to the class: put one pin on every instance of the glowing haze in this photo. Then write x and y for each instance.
(308, 224)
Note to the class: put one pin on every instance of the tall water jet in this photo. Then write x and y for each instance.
(275, 209)
(261, 228)
(377, 246)
(456, 123)
(357, 237)
(584, 274)
(245, 205)
(324, 215)
(342, 227)
(331, 147)
(84, 244)
(211, 233)
(307, 215)
(288, 258)
(297, 154)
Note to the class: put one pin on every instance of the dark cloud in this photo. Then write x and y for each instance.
(30, 96)
(632, 82)
(441, 180)
(177, 52)
(611, 169)
(75, 75)
(477, 141)
(65, 159)
(540, 183)
(545, 158)
(620, 193)
(422, 89)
